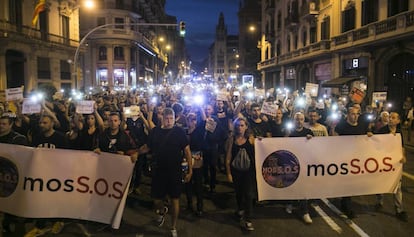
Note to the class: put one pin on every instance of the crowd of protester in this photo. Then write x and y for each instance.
(198, 126)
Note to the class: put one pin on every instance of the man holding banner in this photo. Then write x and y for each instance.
(7, 135)
(350, 127)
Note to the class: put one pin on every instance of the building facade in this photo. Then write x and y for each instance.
(339, 45)
(223, 58)
(124, 55)
(134, 50)
(32, 54)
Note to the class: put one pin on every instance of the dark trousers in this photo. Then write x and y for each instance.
(196, 185)
(139, 168)
(210, 158)
(243, 185)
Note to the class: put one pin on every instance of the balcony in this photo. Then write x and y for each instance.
(267, 63)
(312, 50)
(28, 35)
(391, 28)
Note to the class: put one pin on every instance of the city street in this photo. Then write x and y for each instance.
(270, 219)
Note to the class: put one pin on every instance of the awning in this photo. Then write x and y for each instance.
(339, 81)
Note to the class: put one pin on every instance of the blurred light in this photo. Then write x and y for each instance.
(289, 125)
(300, 102)
(89, 4)
(198, 99)
(250, 95)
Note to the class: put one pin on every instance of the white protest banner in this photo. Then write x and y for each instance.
(14, 93)
(327, 167)
(269, 108)
(60, 183)
(222, 95)
(31, 107)
(260, 93)
(210, 125)
(85, 106)
(311, 89)
(131, 111)
(379, 96)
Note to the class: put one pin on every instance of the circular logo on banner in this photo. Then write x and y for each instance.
(9, 177)
(280, 169)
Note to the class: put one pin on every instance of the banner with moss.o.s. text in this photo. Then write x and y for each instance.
(327, 167)
(60, 183)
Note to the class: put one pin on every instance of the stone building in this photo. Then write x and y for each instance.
(340, 45)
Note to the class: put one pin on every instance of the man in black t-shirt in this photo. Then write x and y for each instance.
(48, 137)
(350, 127)
(259, 127)
(168, 143)
(7, 135)
(115, 140)
(300, 131)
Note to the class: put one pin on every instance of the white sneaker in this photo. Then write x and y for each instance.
(174, 233)
(307, 219)
(289, 208)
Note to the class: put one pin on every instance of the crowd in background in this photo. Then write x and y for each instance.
(216, 128)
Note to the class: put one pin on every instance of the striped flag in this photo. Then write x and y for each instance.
(40, 6)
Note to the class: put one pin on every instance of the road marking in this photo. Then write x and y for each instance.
(351, 224)
(327, 219)
(410, 176)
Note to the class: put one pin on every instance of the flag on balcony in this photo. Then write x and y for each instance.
(40, 6)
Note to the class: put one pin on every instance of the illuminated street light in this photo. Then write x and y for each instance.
(89, 4)
(252, 28)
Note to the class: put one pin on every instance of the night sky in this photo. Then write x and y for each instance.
(201, 18)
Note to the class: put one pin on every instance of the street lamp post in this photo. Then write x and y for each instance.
(100, 27)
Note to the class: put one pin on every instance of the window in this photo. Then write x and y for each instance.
(369, 11)
(133, 52)
(312, 34)
(279, 21)
(103, 76)
(119, 20)
(119, 77)
(288, 43)
(278, 48)
(325, 25)
(15, 12)
(65, 29)
(44, 25)
(43, 68)
(397, 6)
(102, 53)
(119, 53)
(101, 21)
(64, 70)
(304, 37)
(119, 4)
(295, 41)
(348, 18)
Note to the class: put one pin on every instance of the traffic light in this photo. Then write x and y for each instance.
(182, 28)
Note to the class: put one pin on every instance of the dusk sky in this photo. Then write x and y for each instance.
(201, 18)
